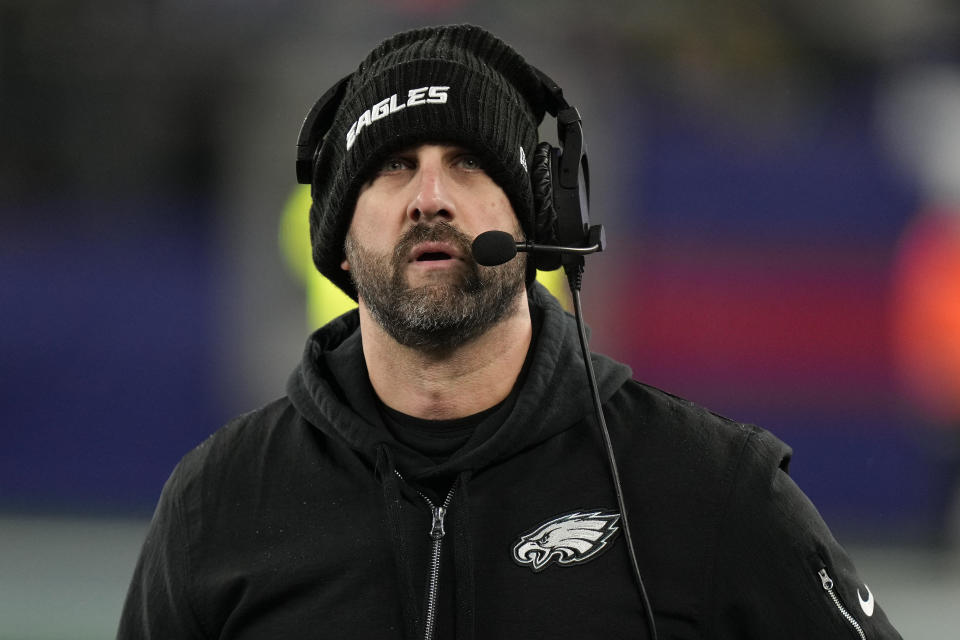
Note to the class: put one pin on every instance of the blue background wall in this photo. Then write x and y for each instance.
(753, 205)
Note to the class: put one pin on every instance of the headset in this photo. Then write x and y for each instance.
(559, 176)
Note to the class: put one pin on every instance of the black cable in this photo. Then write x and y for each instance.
(574, 276)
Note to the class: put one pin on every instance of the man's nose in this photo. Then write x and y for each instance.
(432, 198)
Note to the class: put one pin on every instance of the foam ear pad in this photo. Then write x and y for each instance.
(544, 214)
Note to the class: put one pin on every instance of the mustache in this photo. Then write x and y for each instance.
(437, 232)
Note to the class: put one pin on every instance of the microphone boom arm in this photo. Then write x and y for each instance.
(597, 241)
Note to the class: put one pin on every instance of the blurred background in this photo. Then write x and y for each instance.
(779, 182)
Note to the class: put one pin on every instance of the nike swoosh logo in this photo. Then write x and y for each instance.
(866, 605)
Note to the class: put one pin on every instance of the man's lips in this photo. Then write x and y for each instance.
(434, 251)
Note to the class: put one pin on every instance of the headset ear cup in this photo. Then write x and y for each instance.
(545, 216)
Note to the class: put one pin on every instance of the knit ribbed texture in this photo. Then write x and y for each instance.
(491, 105)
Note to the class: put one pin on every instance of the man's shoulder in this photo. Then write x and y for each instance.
(251, 427)
(237, 444)
(669, 410)
(675, 424)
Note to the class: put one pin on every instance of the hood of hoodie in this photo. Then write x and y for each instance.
(331, 389)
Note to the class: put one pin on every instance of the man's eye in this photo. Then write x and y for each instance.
(393, 164)
(469, 162)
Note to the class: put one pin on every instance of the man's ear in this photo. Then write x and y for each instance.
(345, 265)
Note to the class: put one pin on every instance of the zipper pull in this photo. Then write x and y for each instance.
(827, 583)
(436, 529)
(825, 579)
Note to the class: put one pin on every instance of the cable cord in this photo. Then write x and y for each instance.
(575, 277)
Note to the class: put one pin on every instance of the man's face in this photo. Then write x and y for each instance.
(408, 248)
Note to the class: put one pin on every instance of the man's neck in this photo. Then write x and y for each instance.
(455, 384)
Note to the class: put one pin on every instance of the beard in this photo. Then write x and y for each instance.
(438, 316)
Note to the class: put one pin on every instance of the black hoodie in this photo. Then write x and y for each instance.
(307, 519)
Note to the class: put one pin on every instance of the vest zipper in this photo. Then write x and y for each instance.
(827, 582)
(433, 572)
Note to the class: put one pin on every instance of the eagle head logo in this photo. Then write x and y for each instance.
(572, 538)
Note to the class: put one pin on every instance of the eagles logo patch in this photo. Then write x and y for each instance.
(573, 538)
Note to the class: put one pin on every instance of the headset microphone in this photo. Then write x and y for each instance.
(492, 248)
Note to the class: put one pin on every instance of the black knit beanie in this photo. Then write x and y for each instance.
(451, 84)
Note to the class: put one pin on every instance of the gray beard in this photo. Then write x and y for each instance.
(434, 317)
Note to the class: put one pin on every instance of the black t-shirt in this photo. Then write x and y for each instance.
(436, 439)
(440, 439)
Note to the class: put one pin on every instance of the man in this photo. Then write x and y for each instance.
(435, 469)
